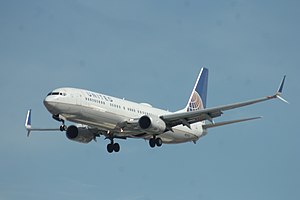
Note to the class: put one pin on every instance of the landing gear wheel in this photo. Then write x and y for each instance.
(63, 128)
(152, 142)
(116, 147)
(158, 142)
(110, 147)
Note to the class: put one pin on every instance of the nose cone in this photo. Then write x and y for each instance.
(50, 104)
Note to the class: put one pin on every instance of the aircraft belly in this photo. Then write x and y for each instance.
(180, 135)
(171, 138)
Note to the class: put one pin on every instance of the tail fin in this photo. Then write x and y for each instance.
(197, 100)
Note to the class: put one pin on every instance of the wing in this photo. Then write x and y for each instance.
(29, 128)
(187, 118)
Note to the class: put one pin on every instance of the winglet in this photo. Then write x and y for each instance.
(28, 122)
(279, 91)
(28, 119)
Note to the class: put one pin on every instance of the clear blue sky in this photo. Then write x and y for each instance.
(151, 51)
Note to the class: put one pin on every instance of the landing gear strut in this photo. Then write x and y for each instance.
(155, 142)
(62, 127)
(113, 146)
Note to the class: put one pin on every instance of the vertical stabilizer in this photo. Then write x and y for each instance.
(197, 100)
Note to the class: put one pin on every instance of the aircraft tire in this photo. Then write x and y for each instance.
(116, 147)
(63, 128)
(110, 148)
(152, 142)
(158, 142)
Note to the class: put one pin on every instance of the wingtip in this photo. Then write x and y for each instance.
(280, 90)
(28, 133)
(282, 99)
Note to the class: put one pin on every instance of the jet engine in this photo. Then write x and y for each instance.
(79, 134)
(153, 125)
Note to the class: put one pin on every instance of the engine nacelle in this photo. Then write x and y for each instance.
(79, 134)
(153, 125)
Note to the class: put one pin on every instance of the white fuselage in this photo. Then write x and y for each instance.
(105, 113)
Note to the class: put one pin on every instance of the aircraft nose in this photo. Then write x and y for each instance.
(49, 104)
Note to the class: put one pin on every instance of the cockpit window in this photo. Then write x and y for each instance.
(56, 93)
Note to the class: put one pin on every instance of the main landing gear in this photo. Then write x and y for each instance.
(113, 147)
(155, 142)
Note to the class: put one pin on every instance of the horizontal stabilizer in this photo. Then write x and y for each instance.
(206, 126)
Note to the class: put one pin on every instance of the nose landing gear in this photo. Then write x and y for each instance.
(62, 127)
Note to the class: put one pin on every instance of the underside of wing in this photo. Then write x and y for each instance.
(206, 126)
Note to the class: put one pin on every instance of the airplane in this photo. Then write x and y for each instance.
(98, 115)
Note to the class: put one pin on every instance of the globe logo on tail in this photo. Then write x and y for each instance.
(195, 102)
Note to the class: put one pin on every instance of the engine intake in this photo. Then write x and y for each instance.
(145, 122)
(79, 134)
(153, 125)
